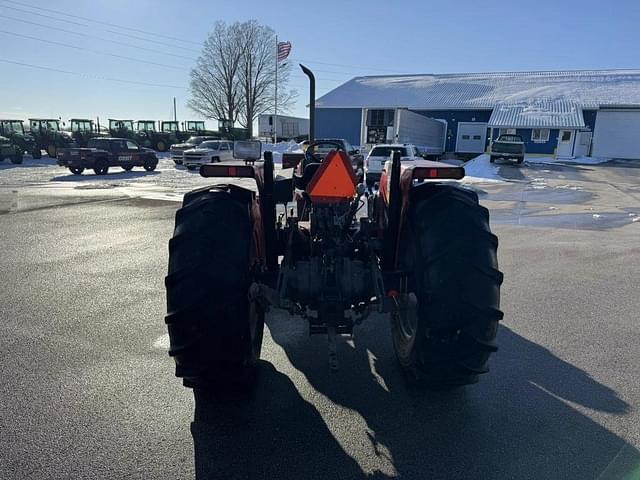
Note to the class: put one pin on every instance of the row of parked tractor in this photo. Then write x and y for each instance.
(48, 135)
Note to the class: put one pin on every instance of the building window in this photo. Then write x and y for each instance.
(566, 136)
(507, 131)
(540, 135)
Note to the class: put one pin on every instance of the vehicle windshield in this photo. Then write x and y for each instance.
(510, 138)
(210, 145)
(97, 143)
(121, 124)
(195, 125)
(323, 147)
(147, 126)
(13, 126)
(195, 140)
(169, 127)
(386, 151)
(81, 126)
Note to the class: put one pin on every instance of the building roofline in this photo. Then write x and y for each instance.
(520, 72)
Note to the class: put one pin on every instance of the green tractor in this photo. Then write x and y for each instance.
(121, 128)
(195, 127)
(148, 136)
(172, 127)
(14, 131)
(10, 150)
(83, 129)
(48, 136)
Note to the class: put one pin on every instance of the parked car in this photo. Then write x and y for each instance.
(210, 151)
(507, 146)
(102, 153)
(379, 154)
(178, 149)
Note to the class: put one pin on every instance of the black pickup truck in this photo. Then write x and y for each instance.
(507, 146)
(102, 153)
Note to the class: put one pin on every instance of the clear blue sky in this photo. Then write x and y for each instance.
(338, 39)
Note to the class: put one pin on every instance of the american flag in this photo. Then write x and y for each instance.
(284, 48)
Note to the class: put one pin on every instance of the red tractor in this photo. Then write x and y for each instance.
(419, 250)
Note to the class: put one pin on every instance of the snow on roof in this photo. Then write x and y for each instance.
(537, 113)
(586, 88)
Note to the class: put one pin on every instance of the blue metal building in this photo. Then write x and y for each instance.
(567, 114)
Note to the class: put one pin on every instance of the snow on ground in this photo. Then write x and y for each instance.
(578, 160)
(279, 148)
(480, 170)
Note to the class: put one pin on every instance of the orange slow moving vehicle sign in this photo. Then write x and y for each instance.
(334, 181)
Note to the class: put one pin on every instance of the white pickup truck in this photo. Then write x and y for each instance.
(379, 154)
(210, 151)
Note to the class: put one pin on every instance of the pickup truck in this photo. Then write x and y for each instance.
(507, 146)
(102, 153)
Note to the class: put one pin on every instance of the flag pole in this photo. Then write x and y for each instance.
(275, 116)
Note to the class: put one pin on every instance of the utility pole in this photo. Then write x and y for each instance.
(175, 115)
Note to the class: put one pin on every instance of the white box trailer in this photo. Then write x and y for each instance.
(286, 127)
(405, 126)
(428, 134)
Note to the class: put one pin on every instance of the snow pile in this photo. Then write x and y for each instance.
(481, 170)
(281, 147)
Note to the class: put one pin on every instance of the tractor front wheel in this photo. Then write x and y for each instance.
(444, 330)
(36, 154)
(161, 146)
(52, 150)
(215, 326)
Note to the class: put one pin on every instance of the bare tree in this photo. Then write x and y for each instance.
(215, 88)
(234, 77)
(257, 74)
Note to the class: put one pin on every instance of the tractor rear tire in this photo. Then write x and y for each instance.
(215, 328)
(444, 334)
(161, 146)
(36, 154)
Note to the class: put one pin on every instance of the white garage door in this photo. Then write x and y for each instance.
(472, 137)
(617, 134)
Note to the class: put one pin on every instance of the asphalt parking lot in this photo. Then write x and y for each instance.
(87, 387)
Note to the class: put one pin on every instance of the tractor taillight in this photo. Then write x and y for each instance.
(438, 173)
(239, 171)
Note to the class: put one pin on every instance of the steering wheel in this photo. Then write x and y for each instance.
(310, 157)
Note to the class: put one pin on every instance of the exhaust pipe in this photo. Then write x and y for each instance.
(312, 102)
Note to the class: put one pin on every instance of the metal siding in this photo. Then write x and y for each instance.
(537, 114)
(590, 119)
(339, 123)
(588, 88)
(452, 117)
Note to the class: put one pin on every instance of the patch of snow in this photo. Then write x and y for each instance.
(281, 147)
(635, 219)
(480, 170)
(577, 160)
(595, 215)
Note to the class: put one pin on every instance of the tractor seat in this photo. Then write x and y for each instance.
(301, 181)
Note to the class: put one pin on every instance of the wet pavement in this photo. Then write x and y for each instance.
(589, 197)
(87, 389)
